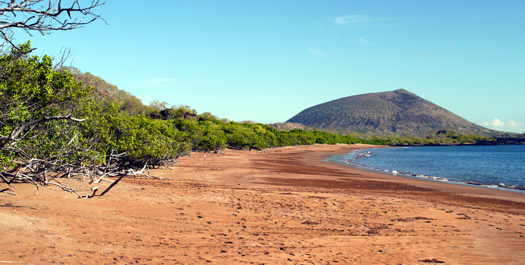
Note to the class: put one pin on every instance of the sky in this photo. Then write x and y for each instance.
(266, 61)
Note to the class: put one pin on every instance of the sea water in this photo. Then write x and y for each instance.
(500, 166)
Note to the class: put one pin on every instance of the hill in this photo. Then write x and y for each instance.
(287, 126)
(400, 112)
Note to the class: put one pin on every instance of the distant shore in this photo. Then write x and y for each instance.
(276, 206)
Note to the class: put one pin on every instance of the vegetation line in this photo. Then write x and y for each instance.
(54, 125)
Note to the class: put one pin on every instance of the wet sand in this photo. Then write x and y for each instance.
(277, 206)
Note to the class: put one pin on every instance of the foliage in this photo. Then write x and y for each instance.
(103, 91)
(52, 124)
(142, 139)
(31, 91)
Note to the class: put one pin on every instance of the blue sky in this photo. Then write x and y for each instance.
(268, 60)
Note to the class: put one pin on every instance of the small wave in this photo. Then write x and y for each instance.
(358, 159)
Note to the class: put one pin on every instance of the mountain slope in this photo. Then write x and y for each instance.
(398, 111)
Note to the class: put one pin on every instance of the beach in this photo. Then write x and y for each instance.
(276, 206)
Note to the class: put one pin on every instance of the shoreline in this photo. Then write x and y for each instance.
(319, 157)
(448, 186)
(276, 206)
(517, 189)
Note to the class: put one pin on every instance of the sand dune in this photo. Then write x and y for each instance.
(278, 206)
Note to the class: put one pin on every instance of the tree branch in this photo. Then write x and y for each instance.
(36, 15)
(15, 132)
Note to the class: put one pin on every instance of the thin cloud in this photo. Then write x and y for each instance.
(349, 19)
(316, 52)
(364, 41)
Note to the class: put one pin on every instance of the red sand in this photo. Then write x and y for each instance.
(278, 206)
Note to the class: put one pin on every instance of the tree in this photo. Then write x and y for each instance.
(45, 16)
(40, 109)
(52, 127)
(105, 91)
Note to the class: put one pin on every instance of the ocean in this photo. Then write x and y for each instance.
(499, 167)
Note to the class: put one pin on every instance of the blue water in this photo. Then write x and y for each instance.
(501, 166)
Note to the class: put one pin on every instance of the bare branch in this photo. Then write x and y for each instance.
(14, 134)
(64, 188)
(47, 172)
(64, 56)
(42, 17)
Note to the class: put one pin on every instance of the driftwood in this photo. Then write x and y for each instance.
(47, 173)
(69, 162)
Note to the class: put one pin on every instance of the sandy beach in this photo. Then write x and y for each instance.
(277, 206)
